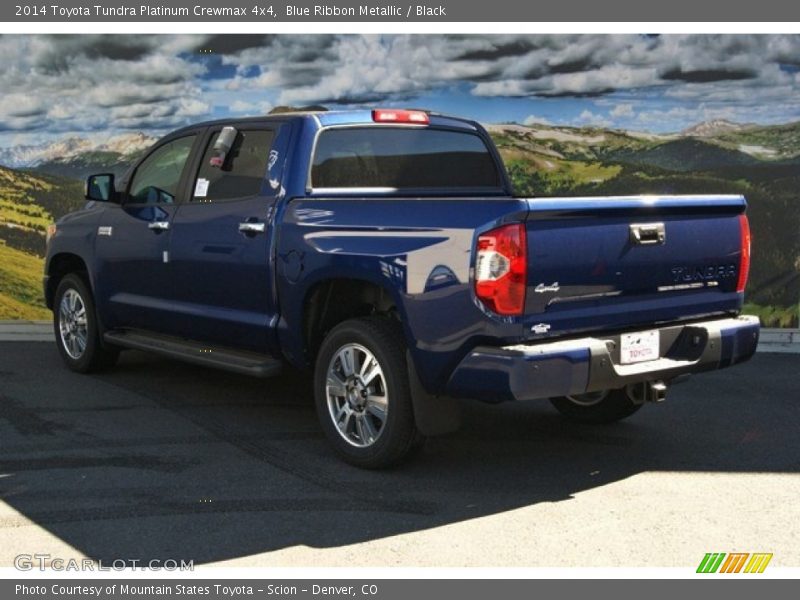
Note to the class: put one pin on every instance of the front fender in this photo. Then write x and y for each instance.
(75, 236)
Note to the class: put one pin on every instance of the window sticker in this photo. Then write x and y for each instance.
(201, 188)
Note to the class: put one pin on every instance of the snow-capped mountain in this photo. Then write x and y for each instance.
(713, 128)
(128, 143)
(68, 149)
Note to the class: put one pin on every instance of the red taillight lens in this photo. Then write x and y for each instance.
(385, 115)
(501, 267)
(744, 258)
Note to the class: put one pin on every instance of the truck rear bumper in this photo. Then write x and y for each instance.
(577, 366)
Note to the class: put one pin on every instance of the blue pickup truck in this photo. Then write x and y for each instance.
(385, 250)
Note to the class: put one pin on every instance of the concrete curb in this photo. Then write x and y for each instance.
(779, 340)
(26, 331)
(772, 340)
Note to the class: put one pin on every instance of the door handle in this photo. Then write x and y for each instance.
(252, 228)
(646, 234)
(158, 225)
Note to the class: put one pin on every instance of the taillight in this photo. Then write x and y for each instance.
(385, 115)
(744, 257)
(501, 267)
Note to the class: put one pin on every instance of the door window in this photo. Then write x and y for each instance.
(157, 178)
(243, 172)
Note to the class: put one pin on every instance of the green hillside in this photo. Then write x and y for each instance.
(29, 202)
(21, 285)
(772, 142)
(686, 154)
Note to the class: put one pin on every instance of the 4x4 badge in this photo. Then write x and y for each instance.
(542, 288)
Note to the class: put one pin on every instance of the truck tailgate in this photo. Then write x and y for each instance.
(628, 262)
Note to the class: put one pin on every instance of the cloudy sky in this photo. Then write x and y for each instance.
(53, 86)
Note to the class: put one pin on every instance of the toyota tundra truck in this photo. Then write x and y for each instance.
(385, 250)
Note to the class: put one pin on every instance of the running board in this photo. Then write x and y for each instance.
(238, 361)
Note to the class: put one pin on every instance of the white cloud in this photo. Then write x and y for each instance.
(536, 120)
(240, 106)
(250, 108)
(88, 83)
(95, 83)
(620, 111)
(22, 105)
(684, 115)
(587, 117)
(190, 107)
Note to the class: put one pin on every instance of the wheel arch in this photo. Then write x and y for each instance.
(334, 300)
(60, 265)
(434, 415)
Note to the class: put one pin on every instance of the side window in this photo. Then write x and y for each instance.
(157, 177)
(243, 172)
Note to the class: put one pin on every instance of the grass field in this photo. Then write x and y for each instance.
(774, 316)
(21, 285)
(29, 202)
(27, 216)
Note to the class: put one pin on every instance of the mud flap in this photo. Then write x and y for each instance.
(434, 415)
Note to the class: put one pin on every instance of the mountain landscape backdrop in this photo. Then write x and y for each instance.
(40, 183)
(589, 114)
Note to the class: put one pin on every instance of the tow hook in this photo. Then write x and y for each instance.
(647, 391)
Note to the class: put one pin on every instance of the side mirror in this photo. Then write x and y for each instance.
(100, 188)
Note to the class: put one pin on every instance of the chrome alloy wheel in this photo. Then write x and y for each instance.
(72, 324)
(588, 399)
(358, 399)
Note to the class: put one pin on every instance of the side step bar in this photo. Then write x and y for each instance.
(246, 363)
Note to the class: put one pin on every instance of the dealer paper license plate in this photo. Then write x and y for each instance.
(638, 347)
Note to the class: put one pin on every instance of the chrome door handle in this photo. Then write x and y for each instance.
(158, 225)
(646, 234)
(248, 227)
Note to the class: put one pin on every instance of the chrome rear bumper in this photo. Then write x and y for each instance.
(577, 366)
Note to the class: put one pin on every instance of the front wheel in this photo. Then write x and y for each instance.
(362, 393)
(76, 327)
(606, 406)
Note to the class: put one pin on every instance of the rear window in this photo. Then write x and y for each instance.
(402, 158)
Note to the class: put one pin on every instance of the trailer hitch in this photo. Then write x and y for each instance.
(647, 391)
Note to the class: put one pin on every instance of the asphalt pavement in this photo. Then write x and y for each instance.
(157, 459)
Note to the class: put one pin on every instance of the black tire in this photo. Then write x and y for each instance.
(398, 436)
(95, 355)
(600, 407)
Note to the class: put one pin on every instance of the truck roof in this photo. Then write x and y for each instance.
(333, 118)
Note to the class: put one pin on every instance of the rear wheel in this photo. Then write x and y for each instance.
(76, 327)
(362, 393)
(606, 406)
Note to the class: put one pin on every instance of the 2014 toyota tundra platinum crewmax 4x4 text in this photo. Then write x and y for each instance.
(386, 250)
